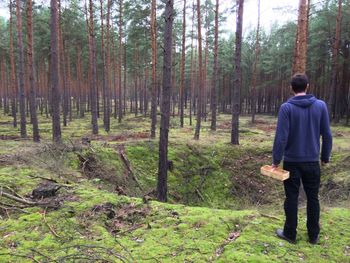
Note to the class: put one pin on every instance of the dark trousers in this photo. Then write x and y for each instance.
(309, 174)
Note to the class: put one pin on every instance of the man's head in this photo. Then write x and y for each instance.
(299, 83)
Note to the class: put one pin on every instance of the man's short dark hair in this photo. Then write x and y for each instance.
(299, 82)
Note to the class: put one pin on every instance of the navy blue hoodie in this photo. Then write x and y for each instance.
(302, 120)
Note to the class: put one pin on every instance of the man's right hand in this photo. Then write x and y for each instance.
(324, 163)
(274, 166)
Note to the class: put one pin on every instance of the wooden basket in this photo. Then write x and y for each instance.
(276, 173)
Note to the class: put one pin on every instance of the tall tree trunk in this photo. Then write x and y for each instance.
(30, 50)
(62, 67)
(300, 49)
(192, 71)
(22, 106)
(154, 68)
(165, 107)
(238, 75)
(108, 66)
(55, 97)
(183, 65)
(124, 79)
(200, 70)
(81, 87)
(92, 63)
(120, 62)
(346, 79)
(105, 69)
(13, 74)
(334, 89)
(215, 85)
(255, 67)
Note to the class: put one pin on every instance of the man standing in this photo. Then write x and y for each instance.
(302, 120)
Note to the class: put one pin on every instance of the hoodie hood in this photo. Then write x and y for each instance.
(303, 101)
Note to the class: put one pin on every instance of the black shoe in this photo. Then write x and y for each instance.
(280, 234)
(314, 241)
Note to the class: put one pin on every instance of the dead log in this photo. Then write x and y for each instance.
(124, 158)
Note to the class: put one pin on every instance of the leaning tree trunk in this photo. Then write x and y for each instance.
(154, 68)
(162, 187)
(22, 106)
(200, 70)
(255, 67)
(238, 75)
(30, 49)
(215, 85)
(300, 49)
(55, 93)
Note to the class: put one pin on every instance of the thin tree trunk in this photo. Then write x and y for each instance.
(238, 75)
(55, 97)
(200, 70)
(215, 85)
(62, 67)
(92, 62)
(13, 74)
(30, 50)
(120, 62)
(192, 65)
(22, 107)
(334, 79)
(183, 65)
(124, 83)
(165, 107)
(154, 69)
(255, 67)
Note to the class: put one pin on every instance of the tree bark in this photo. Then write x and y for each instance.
(334, 89)
(300, 49)
(237, 75)
(92, 62)
(105, 68)
(32, 82)
(22, 106)
(55, 97)
(154, 68)
(165, 107)
(200, 70)
(215, 85)
(120, 63)
(183, 65)
(255, 67)
(13, 74)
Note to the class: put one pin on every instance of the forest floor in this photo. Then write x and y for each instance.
(103, 207)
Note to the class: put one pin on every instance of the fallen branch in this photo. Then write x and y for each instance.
(270, 216)
(17, 199)
(232, 237)
(49, 226)
(44, 178)
(27, 202)
(121, 151)
(12, 207)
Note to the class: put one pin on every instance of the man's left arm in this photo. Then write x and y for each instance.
(326, 136)
(281, 137)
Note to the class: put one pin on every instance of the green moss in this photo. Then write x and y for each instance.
(204, 174)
